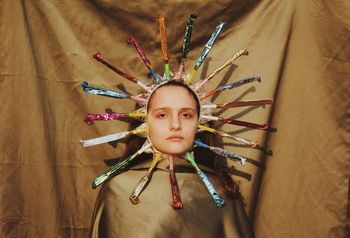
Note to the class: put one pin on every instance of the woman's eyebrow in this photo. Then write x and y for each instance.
(170, 108)
(188, 109)
(161, 109)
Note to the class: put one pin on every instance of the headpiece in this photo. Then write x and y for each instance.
(205, 112)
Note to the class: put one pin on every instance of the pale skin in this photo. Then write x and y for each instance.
(172, 121)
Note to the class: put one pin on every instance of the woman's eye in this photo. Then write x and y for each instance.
(187, 115)
(161, 115)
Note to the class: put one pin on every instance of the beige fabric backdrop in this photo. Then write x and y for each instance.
(300, 49)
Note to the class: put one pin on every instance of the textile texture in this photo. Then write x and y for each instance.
(116, 216)
(300, 49)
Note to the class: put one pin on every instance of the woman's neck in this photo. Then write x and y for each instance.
(171, 160)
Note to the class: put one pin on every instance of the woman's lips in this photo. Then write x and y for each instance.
(175, 138)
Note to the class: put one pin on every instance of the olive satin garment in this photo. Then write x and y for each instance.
(116, 216)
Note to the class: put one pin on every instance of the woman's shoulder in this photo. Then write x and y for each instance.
(154, 215)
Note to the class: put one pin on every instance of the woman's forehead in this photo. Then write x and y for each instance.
(172, 97)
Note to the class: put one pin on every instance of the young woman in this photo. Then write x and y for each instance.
(172, 117)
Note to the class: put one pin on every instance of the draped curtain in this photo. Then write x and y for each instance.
(299, 48)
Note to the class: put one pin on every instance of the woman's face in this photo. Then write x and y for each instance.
(172, 120)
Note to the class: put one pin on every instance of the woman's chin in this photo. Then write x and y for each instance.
(174, 151)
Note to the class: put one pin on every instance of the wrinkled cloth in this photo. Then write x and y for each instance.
(300, 49)
(116, 216)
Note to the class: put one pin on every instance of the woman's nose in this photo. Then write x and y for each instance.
(175, 123)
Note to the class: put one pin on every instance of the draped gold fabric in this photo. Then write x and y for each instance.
(300, 49)
(116, 216)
